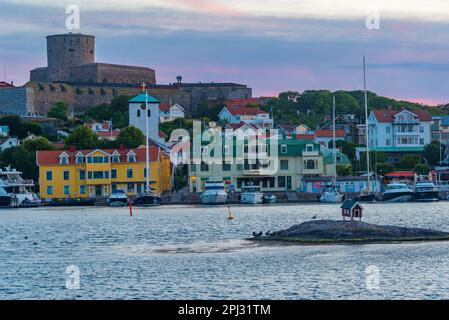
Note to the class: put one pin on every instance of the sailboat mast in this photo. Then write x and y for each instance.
(147, 160)
(366, 126)
(334, 177)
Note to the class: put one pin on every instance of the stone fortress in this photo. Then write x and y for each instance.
(72, 76)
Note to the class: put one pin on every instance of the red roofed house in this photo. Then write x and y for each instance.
(250, 115)
(399, 128)
(325, 136)
(104, 130)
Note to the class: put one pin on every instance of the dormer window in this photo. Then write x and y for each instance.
(131, 157)
(284, 148)
(64, 158)
(309, 147)
(115, 157)
(79, 158)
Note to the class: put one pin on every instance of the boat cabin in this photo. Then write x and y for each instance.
(351, 209)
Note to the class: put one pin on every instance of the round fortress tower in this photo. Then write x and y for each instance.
(68, 50)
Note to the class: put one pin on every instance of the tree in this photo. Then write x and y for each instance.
(431, 153)
(422, 169)
(384, 168)
(409, 161)
(38, 143)
(347, 147)
(344, 170)
(131, 137)
(21, 159)
(82, 138)
(15, 124)
(59, 111)
(117, 110)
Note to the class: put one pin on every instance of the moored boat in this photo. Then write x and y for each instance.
(251, 195)
(397, 192)
(331, 194)
(118, 198)
(70, 202)
(269, 198)
(425, 191)
(147, 200)
(214, 193)
(19, 189)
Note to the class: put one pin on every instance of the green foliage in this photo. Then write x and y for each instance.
(409, 161)
(82, 138)
(344, 170)
(38, 143)
(59, 111)
(384, 168)
(169, 127)
(208, 110)
(21, 159)
(374, 157)
(117, 111)
(422, 169)
(348, 148)
(431, 153)
(19, 128)
(131, 137)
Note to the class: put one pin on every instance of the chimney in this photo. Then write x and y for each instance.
(72, 149)
(122, 147)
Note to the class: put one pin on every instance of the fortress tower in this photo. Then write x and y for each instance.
(66, 51)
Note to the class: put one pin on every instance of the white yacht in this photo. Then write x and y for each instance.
(331, 194)
(118, 198)
(20, 190)
(425, 191)
(397, 192)
(214, 193)
(251, 195)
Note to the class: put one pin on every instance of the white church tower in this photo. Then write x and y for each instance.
(138, 112)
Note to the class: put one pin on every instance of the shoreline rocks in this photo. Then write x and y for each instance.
(334, 232)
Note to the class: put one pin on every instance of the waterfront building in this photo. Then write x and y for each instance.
(170, 112)
(96, 173)
(297, 159)
(325, 136)
(347, 184)
(249, 115)
(440, 129)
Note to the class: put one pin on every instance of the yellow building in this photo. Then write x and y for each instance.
(96, 173)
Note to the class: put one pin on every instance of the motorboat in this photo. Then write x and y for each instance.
(331, 194)
(19, 189)
(397, 192)
(425, 191)
(214, 193)
(150, 199)
(269, 198)
(118, 198)
(6, 200)
(251, 195)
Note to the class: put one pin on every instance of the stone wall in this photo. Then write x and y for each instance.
(16, 101)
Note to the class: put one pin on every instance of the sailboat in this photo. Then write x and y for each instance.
(366, 195)
(331, 193)
(149, 198)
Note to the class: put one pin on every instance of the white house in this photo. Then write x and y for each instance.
(250, 115)
(138, 114)
(170, 112)
(104, 126)
(399, 128)
(6, 143)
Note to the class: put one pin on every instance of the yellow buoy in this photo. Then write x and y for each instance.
(230, 216)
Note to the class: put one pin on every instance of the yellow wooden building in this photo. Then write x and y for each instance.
(96, 173)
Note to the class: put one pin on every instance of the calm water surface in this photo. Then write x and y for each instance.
(195, 253)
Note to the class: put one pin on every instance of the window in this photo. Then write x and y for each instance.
(144, 172)
(66, 190)
(131, 158)
(64, 160)
(281, 182)
(49, 175)
(421, 141)
(204, 167)
(284, 148)
(309, 148)
(130, 187)
(82, 189)
(239, 167)
(82, 175)
(284, 164)
(388, 142)
(421, 129)
(66, 175)
(193, 167)
(138, 113)
(50, 190)
(226, 150)
(115, 159)
(129, 173)
(98, 159)
(310, 164)
(149, 113)
(226, 166)
(114, 173)
(106, 174)
(79, 159)
(388, 129)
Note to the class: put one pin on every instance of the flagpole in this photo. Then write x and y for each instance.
(147, 178)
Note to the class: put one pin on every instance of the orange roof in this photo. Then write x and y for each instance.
(103, 134)
(305, 136)
(242, 102)
(52, 157)
(104, 125)
(388, 115)
(339, 133)
(251, 111)
(164, 107)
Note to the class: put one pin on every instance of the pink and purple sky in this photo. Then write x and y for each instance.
(271, 46)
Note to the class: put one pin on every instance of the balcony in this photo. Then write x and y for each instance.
(310, 153)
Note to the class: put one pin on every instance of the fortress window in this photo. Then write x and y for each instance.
(79, 91)
(41, 87)
(114, 92)
(103, 92)
(52, 88)
(71, 50)
(63, 89)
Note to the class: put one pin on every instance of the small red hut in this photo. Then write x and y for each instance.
(351, 209)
